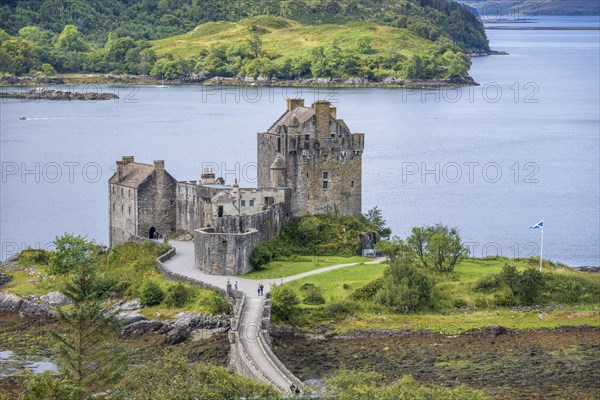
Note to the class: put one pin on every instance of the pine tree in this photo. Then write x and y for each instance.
(88, 352)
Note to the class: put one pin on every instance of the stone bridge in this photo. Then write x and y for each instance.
(251, 354)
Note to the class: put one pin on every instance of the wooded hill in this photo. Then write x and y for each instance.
(157, 19)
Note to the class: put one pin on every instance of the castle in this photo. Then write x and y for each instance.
(308, 163)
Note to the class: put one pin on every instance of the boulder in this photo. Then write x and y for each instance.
(56, 299)
(190, 321)
(10, 302)
(177, 335)
(26, 308)
(130, 317)
(134, 305)
(142, 327)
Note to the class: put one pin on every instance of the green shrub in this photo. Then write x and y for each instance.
(31, 257)
(459, 303)
(530, 286)
(324, 235)
(260, 256)
(216, 304)
(177, 295)
(339, 309)
(488, 283)
(284, 302)
(368, 291)
(570, 288)
(312, 295)
(151, 294)
(106, 286)
(406, 288)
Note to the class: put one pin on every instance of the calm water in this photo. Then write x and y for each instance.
(10, 364)
(491, 160)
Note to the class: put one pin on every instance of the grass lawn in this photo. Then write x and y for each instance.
(457, 322)
(282, 269)
(337, 286)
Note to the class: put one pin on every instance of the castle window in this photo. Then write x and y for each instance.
(129, 210)
(129, 193)
(122, 209)
(121, 191)
(279, 144)
(243, 203)
(251, 203)
(114, 207)
(325, 180)
(113, 190)
(352, 184)
(307, 137)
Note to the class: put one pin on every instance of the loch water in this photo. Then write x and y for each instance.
(491, 160)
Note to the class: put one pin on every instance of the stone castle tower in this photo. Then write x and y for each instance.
(313, 153)
(308, 163)
(141, 201)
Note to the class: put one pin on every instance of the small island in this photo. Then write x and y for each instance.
(42, 93)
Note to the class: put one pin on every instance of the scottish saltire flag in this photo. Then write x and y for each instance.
(539, 225)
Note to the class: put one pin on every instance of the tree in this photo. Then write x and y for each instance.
(376, 217)
(88, 350)
(71, 252)
(437, 246)
(255, 45)
(3, 36)
(405, 287)
(71, 39)
(35, 35)
(284, 302)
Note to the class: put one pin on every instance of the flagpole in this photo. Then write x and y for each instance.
(541, 249)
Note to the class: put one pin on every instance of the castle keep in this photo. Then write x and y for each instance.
(308, 163)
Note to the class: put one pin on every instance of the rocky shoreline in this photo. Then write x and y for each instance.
(239, 81)
(40, 308)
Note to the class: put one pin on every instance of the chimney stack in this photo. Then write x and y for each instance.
(120, 170)
(128, 159)
(292, 104)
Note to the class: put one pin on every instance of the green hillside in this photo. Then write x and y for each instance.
(157, 19)
(286, 49)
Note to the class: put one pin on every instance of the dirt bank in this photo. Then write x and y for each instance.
(538, 364)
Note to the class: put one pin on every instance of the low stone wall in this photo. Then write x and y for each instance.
(264, 336)
(239, 361)
(184, 279)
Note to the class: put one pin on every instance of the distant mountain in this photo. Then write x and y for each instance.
(531, 8)
(158, 19)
